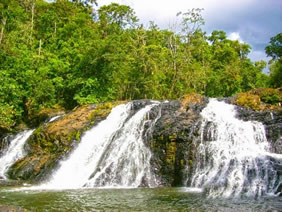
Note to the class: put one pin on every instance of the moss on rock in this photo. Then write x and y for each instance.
(52, 141)
(260, 99)
(172, 138)
(191, 99)
(250, 101)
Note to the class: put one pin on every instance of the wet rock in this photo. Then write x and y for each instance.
(171, 140)
(143, 183)
(5, 142)
(7, 183)
(53, 141)
(9, 208)
(176, 134)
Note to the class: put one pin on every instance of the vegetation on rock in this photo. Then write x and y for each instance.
(172, 139)
(191, 99)
(260, 99)
(51, 141)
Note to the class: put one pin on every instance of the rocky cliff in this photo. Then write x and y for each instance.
(172, 140)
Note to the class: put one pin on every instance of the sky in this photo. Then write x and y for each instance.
(251, 21)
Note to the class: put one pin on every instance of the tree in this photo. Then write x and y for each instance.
(56, 53)
(192, 21)
(85, 2)
(115, 14)
(274, 49)
(275, 77)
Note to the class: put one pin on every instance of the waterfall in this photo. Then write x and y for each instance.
(233, 157)
(112, 154)
(54, 118)
(13, 152)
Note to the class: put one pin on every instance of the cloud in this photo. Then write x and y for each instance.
(256, 21)
(235, 36)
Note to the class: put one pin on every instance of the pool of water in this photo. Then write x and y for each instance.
(141, 199)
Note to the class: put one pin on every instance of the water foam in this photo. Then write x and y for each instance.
(14, 151)
(233, 158)
(112, 154)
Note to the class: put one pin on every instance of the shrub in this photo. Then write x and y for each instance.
(250, 101)
(268, 95)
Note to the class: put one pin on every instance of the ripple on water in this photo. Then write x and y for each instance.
(142, 199)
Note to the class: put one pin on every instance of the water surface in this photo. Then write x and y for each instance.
(141, 199)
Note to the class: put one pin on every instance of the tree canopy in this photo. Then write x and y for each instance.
(64, 54)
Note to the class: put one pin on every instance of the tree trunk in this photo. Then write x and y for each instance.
(173, 50)
(32, 21)
(39, 50)
(2, 29)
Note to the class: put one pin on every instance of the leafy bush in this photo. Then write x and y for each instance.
(260, 99)
(250, 101)
(268, 95)
(7, 114)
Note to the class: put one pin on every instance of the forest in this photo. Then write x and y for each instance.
(63, 54)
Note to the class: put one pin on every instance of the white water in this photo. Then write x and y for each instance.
(13, 152)
(233, 157)
(54, 118)
(112, 154)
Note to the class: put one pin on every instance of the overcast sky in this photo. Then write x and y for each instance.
(250, 21)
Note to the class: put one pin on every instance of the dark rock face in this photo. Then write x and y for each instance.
(5, 142)
(172, 139)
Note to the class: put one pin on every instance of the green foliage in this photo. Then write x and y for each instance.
(86, 2)
(192, 20)
(275, 77)
(274, 49)
(249, 100)
(115, 14)
(268, 95)
(7, 116)
(260, 99)
(65, 53)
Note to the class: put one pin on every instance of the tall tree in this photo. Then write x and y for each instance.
(274, 50)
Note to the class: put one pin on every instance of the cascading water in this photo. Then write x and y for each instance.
(13, 152)
(112, 154)
(54, 118)
(233, 158)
